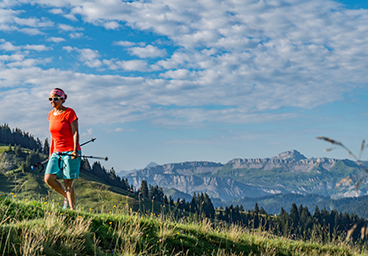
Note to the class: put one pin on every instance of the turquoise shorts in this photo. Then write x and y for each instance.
(64, 166)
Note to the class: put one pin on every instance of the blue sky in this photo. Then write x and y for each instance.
(174, 81)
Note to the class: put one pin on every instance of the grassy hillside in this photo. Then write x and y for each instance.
(42, 228)
(109, 219)
(92, 193)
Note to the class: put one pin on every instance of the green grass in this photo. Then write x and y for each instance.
(3, 148)
(42, 228)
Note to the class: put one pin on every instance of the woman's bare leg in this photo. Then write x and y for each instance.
(70, 192)
(51, 180)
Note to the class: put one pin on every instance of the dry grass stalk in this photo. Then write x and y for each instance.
(165, 230)
(351, 231)
(362, 231)
(32, 244)
(348, 180)
(358, 161)
(235, 232)
(205, 225)
(128, 237)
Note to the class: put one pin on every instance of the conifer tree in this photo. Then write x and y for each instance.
(262, 211)
(294, 215)
(209, 210)
(144, 189)
(46, 147)
(193, 204)
(85, 165)
(316, 214)
(165, 201)
(256, 209)
(17, 150)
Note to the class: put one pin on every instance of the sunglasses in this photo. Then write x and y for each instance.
(55, 99)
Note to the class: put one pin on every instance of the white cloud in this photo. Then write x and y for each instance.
(56, 11)
(55, 39)
(68, 28)
(7, 46)
(31, 31)
(177, 74)
(38, 48)
(132, 65)
(71, 17)
(75, 35)
(258, 56)
(124, 43)
(111, 25)
(28, 63)
(147, 52)
(33, 22)
(89, 132)
(87, 56)
(9, 21)
(111, 64)
(69, 48)
(13, 57)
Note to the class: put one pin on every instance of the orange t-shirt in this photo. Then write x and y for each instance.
(61, 131)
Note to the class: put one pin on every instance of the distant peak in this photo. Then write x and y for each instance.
(151, 164)
(292, 154)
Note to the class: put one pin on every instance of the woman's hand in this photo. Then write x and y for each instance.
(75, 154)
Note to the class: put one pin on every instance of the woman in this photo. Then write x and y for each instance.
(64, 139)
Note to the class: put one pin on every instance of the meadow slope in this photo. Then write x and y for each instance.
(31, 227)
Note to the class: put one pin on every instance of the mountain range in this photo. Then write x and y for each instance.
(246, 179)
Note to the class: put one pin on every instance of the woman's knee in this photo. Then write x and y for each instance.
(49, 179)
(68, 184)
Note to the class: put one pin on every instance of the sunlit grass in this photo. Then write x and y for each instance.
(29, 227)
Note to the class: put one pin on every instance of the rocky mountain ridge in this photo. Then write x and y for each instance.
(288, 172)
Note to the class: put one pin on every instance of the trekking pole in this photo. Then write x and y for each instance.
(34, 166)
(91, 140)
(39, 164)
(83, 156)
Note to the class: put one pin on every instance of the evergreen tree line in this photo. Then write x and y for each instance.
(107, 176)
(153, 192)
(322, 225)
(200, 204)
(18, 137)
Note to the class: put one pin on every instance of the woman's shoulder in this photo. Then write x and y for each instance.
(70, 114)
(69, 110)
